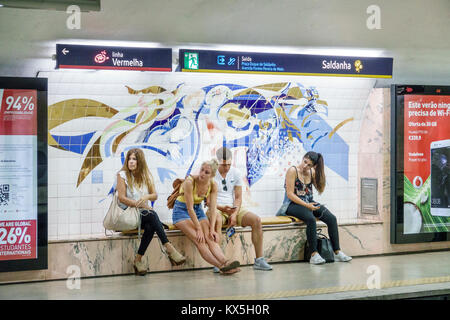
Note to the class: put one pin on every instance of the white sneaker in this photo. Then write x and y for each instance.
(216, 270)
(317, 259)
(342, 257)
(261, 264)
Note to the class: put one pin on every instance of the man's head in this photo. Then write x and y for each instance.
(224, 158)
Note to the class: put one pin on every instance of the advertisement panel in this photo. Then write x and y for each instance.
(420, 164)
(18, 198)
(20, 202)
(426, 164)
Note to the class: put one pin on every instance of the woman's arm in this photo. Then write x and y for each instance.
(122, 193)
(189, 198)
(212, 206)
(152, 195)
(290, 184)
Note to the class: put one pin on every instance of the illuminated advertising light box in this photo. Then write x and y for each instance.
(23, 174)
(420, 164)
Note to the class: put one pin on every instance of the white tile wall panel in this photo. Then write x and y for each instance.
(346, 98)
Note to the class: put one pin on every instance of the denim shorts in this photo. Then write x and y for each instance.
(180, 212)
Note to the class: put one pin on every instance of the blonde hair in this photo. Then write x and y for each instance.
(214, 164)
(143, 175)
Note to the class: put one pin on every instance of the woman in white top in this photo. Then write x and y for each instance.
(135, 188)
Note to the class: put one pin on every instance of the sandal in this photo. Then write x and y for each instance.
(233, 265)
(232, 271)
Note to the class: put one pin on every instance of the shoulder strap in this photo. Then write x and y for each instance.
(210, 187)
(193, 181)
(296, 176)
(296, 172)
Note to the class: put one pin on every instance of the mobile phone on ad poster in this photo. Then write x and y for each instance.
(440, 178)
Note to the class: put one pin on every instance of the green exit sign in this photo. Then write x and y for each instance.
(191, 60)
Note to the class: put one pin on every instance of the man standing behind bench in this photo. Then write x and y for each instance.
(229, 206)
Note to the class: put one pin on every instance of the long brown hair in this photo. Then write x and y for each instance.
(142, 174)
(319, 180)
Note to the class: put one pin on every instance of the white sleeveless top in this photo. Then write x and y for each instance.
(134, 193)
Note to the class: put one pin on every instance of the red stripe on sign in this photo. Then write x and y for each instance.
(63, 66)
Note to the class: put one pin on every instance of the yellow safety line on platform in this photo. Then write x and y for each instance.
(316, 291)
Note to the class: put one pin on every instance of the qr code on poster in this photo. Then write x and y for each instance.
(4, 194)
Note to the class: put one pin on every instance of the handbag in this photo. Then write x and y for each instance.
(324, 248)
(118, 219)
(284, 206)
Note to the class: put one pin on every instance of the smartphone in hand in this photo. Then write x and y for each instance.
(230, 232)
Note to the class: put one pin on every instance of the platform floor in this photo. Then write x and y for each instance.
(400, 276)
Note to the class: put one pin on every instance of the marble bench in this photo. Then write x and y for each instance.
(265, 221)
(284, 240)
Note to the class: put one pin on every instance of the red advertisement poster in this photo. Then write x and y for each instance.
(18, 174)
(426, 163)
(18, 112)
(18, 240)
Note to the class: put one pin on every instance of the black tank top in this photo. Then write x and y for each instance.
(304, 192)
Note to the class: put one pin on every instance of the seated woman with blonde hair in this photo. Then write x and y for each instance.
(189, 217)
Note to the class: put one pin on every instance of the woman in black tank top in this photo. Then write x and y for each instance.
(303, 191)
(299, 182)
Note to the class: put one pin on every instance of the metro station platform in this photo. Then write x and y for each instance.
(405, 276)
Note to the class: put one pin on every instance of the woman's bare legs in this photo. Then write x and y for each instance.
(188, 228)
(213, 246)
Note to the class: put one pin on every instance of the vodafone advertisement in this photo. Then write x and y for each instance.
(18, 178)
(426, 164)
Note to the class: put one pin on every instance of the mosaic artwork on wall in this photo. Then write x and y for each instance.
(179, 120)
(269, 120)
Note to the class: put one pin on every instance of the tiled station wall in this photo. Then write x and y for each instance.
(179, 120)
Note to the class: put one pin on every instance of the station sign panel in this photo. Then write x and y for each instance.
(284, 64)
(113, 58)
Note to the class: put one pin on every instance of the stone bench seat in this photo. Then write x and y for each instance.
(266, 221)
(113, 254)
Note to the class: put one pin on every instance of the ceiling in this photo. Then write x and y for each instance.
(415, 33)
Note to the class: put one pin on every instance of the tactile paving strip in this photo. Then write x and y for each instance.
(315, 291)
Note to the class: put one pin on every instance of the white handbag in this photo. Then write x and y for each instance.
(118, 219)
